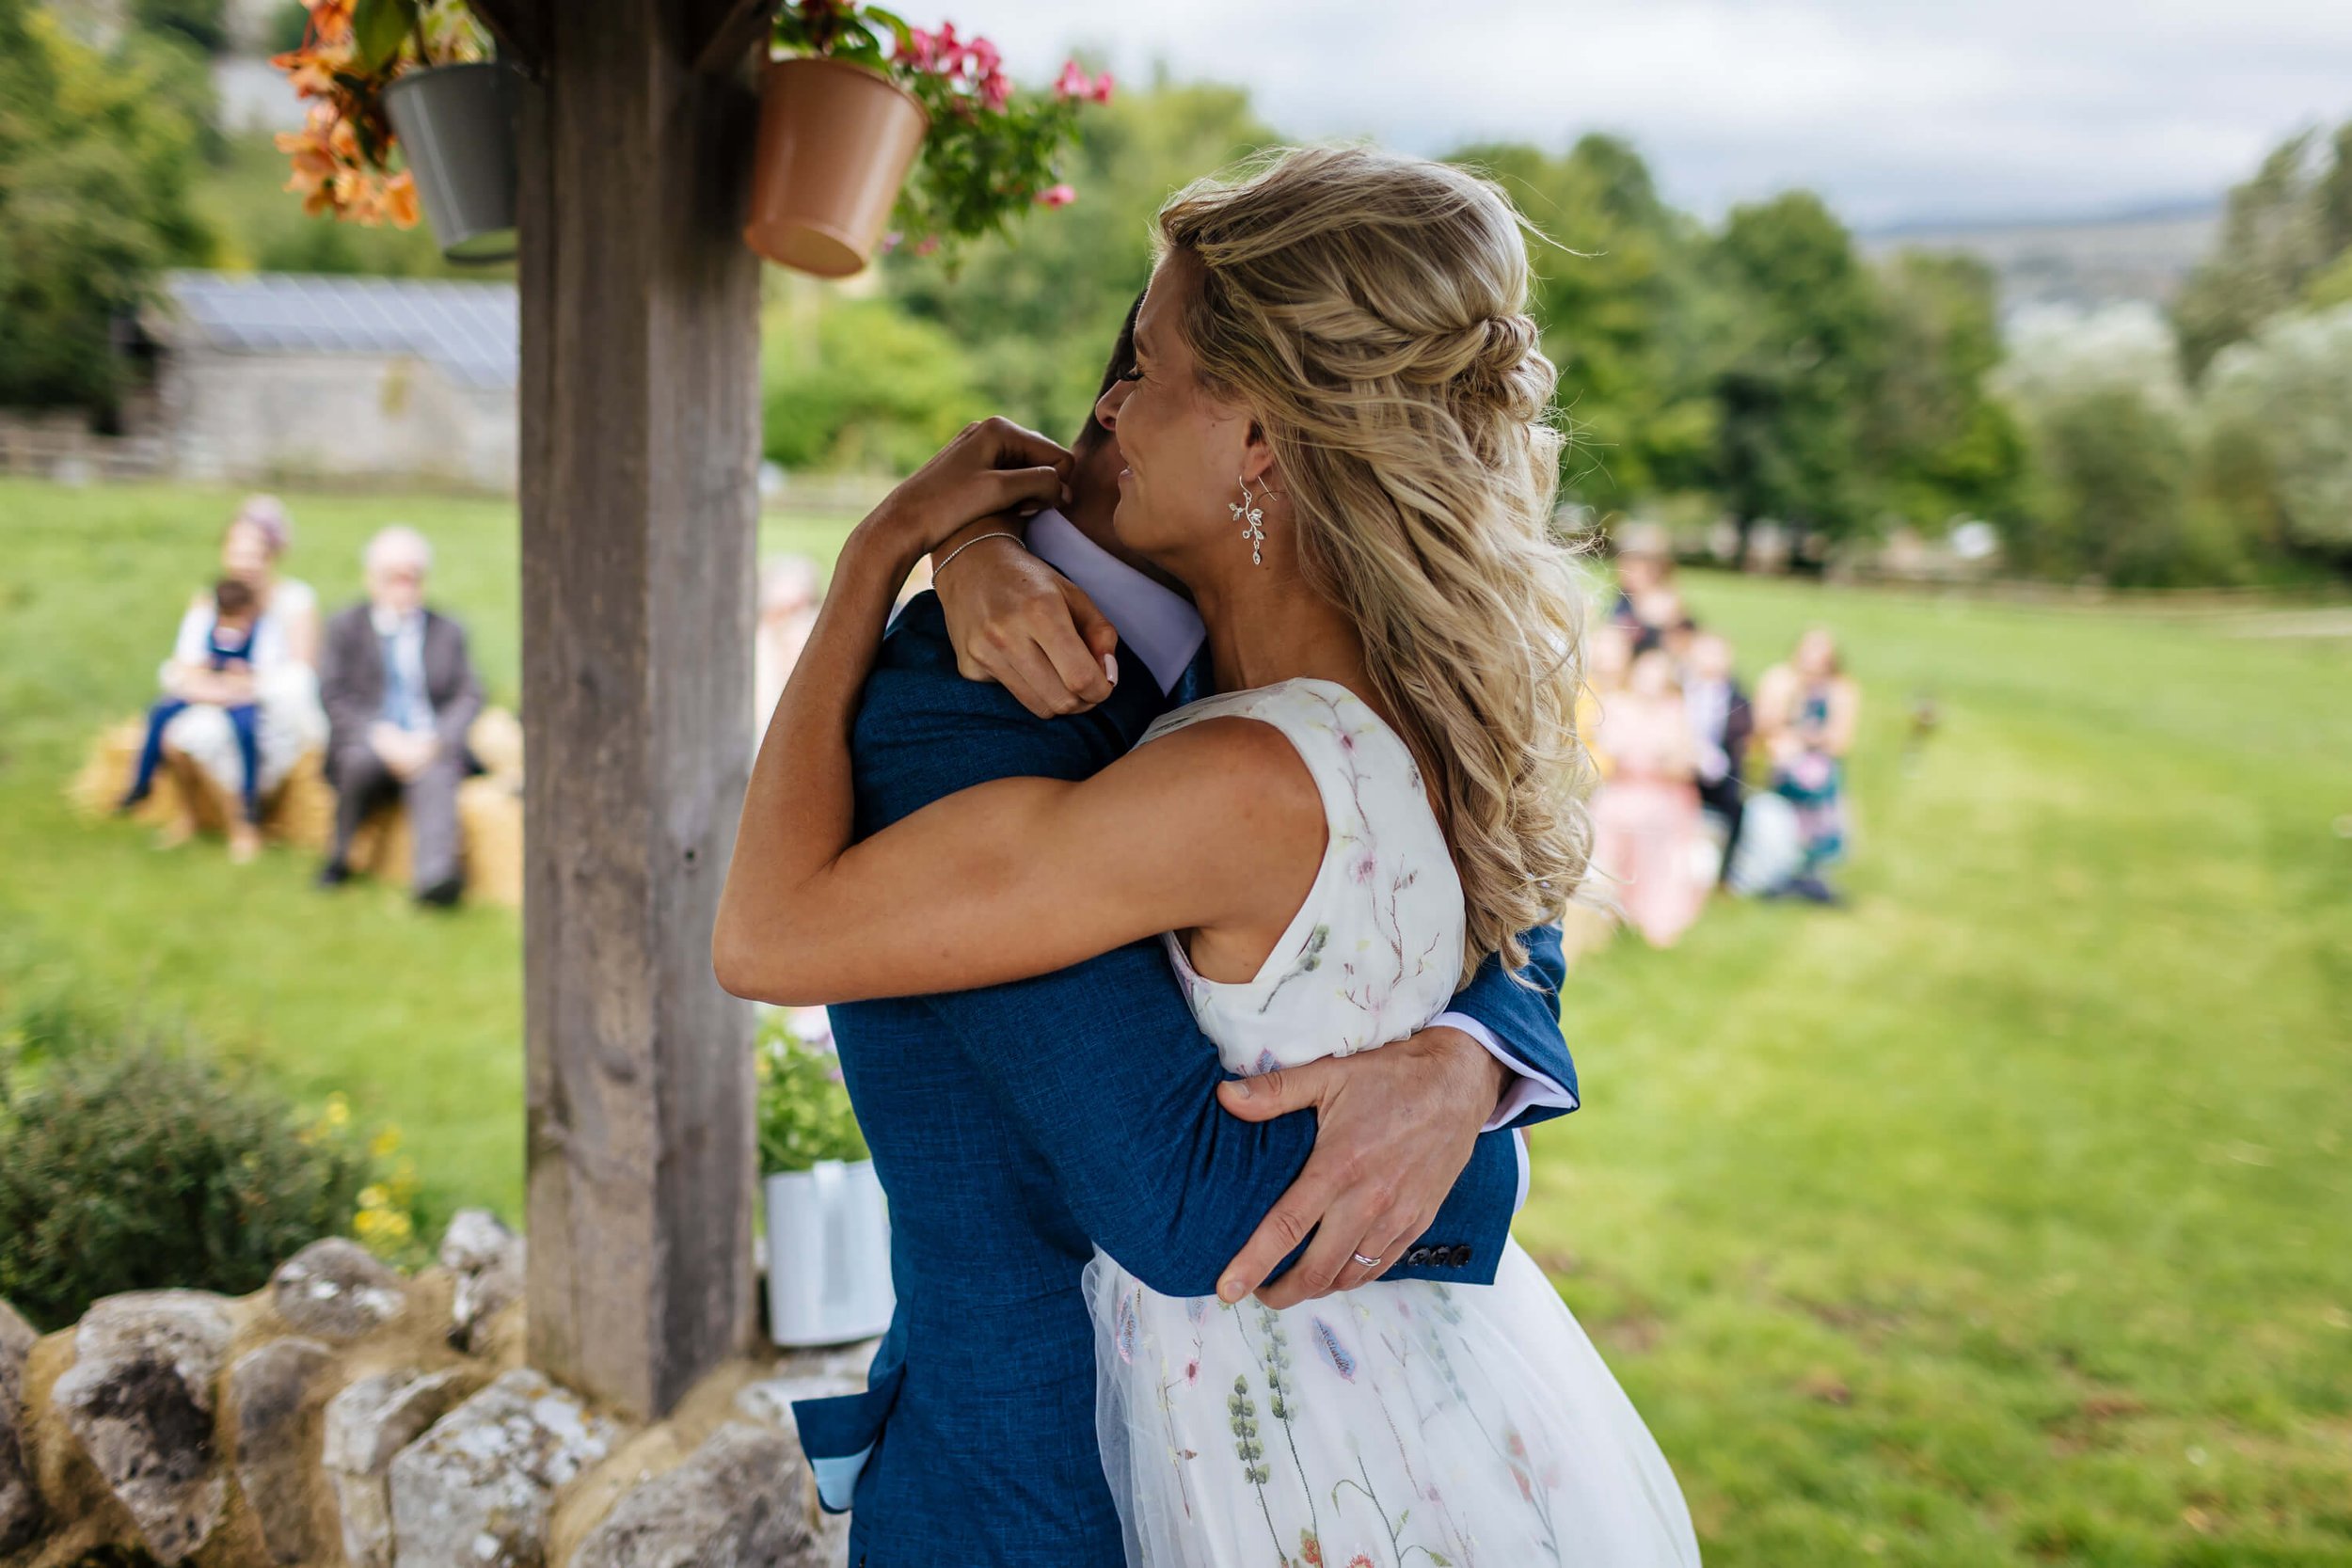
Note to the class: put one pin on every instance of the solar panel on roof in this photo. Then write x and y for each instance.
(467, 330)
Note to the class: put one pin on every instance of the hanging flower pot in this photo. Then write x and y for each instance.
(828, 1254)
(868, 124)
(835, 142)
(388, 83)
(456, 125)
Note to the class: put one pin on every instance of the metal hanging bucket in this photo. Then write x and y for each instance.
(455, 124)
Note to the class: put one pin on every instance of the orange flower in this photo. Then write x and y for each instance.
(400, 199)
(314, 77)
(330, 20)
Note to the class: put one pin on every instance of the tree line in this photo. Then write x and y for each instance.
(1757, 369)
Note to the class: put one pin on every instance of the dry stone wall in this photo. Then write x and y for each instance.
(349, 1415)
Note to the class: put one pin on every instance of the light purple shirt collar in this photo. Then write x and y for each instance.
(1156, 622)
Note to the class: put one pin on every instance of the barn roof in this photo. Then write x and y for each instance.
(467, 330)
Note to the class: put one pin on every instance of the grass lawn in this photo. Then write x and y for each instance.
(2002, 1217)
(416, 1016)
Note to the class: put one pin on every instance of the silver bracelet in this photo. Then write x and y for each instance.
(969, 543)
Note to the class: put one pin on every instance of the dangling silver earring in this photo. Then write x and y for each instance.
(1251, 517)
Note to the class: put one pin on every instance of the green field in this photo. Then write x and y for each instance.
(2002, 1217)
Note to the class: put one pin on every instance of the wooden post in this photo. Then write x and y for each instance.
(639, 418)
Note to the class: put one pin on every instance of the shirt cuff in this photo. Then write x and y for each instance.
(1524, 1092)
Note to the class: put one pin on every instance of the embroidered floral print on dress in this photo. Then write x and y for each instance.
(1408, 1422)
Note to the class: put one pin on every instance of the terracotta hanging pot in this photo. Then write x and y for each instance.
(835, 142)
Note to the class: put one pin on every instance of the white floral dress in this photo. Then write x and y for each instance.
(1406, 1422)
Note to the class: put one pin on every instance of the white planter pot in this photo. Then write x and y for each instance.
(828, 1255)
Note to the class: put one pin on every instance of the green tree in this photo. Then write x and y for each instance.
(202, 22)
(2111, 430)
(2114, 470)
(1802, 339)
(1614, 290)
(94, 167)
(2284, 230)
(2280, 406)
(860, 386)
(1037, 313)
(1938, 442)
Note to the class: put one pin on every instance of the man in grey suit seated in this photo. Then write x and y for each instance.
(401, 693)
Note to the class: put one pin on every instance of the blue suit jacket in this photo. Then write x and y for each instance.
(1017, 1126)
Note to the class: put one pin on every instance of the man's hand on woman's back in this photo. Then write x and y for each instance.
(1393, 1130)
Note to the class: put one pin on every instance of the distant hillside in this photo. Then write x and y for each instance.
(2138, 255)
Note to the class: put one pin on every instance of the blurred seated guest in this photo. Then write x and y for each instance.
(1646, 835)
(401, 693)
(1722, 721)
(1646, 591)
(788, 597)
(224, 678)
(1805, 713)
(1608, 653)
(1666, 624)
(284, 683)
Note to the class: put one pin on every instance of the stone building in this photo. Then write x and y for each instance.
(276, 376)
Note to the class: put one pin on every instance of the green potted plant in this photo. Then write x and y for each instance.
(865, 120)
(407, 83)
(828, 1226)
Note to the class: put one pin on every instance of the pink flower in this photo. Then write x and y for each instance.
(892, 241)
(995, 88)
(983, 58)
(928, 244)
(1056, 196)
(1072, 82)
(914, 49)
(1101, 91)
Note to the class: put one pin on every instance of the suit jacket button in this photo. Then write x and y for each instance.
(1461, 1256)
(1416, 1257)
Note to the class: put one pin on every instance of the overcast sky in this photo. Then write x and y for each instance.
(1895, 110)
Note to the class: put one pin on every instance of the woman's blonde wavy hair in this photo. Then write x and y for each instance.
(1371, 309)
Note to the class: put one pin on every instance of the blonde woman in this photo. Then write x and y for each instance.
(1334, 438)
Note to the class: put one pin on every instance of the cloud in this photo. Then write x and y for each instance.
(1893, 109)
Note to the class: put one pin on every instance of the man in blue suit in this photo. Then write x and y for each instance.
(1018, 1127)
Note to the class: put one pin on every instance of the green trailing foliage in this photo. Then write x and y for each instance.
(991, 151)
(803, 1107)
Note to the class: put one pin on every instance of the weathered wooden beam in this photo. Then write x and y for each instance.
(639, 445)
(520, 27)
(722, 32)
